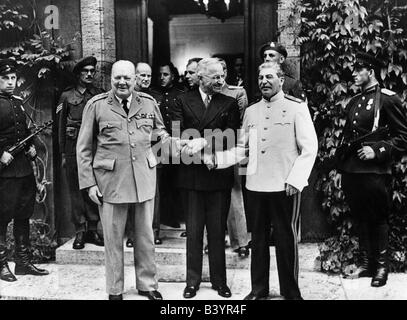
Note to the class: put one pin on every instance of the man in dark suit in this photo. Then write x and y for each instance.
(206, 194)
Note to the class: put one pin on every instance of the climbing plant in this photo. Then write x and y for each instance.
(330, 34)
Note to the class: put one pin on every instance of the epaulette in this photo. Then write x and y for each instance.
(289, 97)
(69, 88)
(98, 97)
(387, 92)
(145, 95)
(234, 87)
(17, 97)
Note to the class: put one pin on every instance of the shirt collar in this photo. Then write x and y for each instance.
(276, 97)
(203, 95)
(129, 98)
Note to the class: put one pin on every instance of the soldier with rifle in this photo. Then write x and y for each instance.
(17, 181)
(375, 132)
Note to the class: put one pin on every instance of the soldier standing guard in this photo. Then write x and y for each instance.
(85, 214)
(366, 171)
(17, 182)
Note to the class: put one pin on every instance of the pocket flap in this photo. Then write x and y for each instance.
(107, 164)
(110, 124)
(152, 161)
(144, 122)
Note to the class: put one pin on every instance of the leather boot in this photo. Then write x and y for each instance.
(366, 260)
(5, 272)
(24, 265)
(381, 257)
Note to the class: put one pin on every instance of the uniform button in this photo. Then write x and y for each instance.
(359, 105)
(133, 158)
(262, 151)
(267, 118)
(356, 114)
(133, 145)
(363, 98)
(263, 139)
(265, 128)
(354, 121)
(131, 132)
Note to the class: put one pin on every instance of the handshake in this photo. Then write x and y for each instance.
(191, 147)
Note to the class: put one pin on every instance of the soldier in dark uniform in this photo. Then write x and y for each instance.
(168, 212)
(17, 182)
(275, 52)
(85, 215)
(366, 168)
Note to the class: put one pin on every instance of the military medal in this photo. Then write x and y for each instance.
(369, 104)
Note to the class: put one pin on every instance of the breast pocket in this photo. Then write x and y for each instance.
(282, 132)
(145, 125)
(110, 131)
(75, 107)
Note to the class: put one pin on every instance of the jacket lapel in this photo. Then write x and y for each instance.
(197, 106)
(214, 108)
(135, 105)
(115, 105)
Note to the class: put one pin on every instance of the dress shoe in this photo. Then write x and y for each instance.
(79, 242)
(93, 237)
(183, 234)
(293, 298)
(129, 243)
(115, 297)
(254, 296)
(223, 291)
(151, 295)
(190, 291)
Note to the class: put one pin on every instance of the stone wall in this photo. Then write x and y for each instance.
(98, 35)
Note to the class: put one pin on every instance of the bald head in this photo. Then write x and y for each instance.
(123, 78)
(143, 76)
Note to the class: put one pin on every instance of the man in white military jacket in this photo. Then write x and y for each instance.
(282, 145)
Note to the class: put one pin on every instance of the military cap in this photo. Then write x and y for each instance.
(7, 66)
(87, 61)
(273, 46)
(366, 60)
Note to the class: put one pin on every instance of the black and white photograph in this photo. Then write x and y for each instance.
(207, 151)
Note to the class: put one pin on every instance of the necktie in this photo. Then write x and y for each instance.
(207, 100)
(124, 103)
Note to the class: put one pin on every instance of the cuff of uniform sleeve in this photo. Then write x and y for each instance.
(382, 151)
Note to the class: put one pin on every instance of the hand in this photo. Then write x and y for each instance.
(207, 159)
(6, 158)
(93, 193)
(366, 153)
(180, 144)
(290, 190)
(31, 153)
(194, 146)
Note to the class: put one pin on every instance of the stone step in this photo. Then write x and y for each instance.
(170, 257)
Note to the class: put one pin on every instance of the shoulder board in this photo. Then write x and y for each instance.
(387, 92)
(69, 88)
(145, 95)
(99, 96)
(287, 96)
(234, 87)
(17, 97)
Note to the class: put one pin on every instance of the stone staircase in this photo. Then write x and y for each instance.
(171, 257)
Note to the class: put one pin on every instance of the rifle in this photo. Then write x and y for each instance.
(19, 146)
(346, 149)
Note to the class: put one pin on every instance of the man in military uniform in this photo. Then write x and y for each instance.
(85, 214)
(279, 137)
(143, 81)
(375, 131)
(168, 212)
(120, 171)
(275, 52)
(17, 182)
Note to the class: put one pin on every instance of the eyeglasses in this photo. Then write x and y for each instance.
(215, 77)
